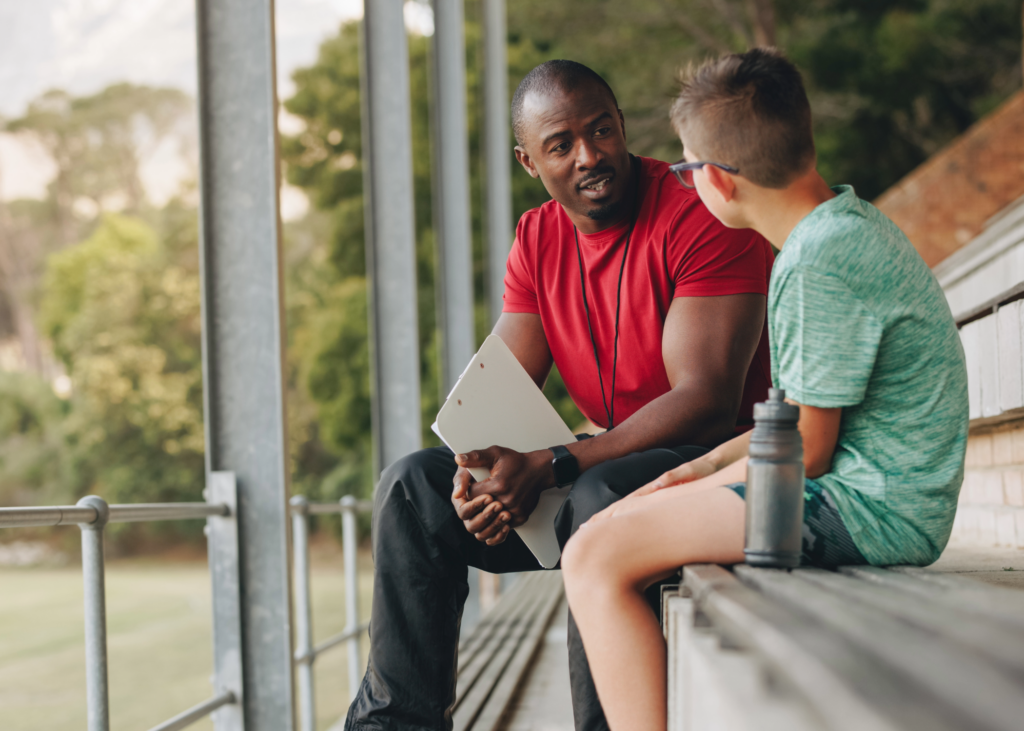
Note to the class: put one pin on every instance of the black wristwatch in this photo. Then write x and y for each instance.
(567, 469)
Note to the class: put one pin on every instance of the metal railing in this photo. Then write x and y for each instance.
(92, 514)
(306, 653)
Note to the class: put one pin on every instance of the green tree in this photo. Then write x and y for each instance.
(890, 81)
(122, 311)
(33, 467)
(96, 143)
(893, 82)
(327, 286)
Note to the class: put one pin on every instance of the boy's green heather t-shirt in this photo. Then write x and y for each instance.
(856, 320)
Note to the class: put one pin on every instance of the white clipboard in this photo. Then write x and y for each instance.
(495, 402)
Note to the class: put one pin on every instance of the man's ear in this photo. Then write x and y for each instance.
(720, 181)
(524, 159)
(622, 121)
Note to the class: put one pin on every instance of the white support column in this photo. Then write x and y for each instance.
(451, 193)
(496, 152)
(390, 232)
(243, 377)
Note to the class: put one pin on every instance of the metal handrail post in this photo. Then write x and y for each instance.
(348, 545)
(97, 694)
(303, 612)
(225, 579)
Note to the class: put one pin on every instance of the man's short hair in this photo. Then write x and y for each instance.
(748, 110)
(550, 76)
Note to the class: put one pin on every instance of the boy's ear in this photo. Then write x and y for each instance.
(524, 159)
(721, 182)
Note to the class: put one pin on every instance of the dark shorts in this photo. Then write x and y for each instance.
(826, 542)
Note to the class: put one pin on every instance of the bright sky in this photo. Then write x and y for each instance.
(82, 46)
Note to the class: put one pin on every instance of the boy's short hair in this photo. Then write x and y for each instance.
(748, 110)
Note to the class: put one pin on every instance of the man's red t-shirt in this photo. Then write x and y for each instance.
(678, 249)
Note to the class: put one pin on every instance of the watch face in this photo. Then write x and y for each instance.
(566, 469)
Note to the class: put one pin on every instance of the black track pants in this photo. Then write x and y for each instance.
(421, 554)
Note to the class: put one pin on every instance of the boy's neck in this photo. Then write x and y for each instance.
(779, 211)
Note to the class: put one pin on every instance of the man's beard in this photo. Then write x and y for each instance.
(606, 212)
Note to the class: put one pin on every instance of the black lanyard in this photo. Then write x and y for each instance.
(610, 412)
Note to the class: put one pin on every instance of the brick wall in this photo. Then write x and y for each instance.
(991, 510)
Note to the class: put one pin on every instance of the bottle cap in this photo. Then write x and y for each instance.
(776, 409)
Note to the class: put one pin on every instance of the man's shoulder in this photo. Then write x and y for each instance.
(548, 212)
(541, 218)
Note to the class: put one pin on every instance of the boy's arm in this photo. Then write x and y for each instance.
(819, 430)
(717, 459)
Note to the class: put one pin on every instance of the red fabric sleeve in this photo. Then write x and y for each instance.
(520, 289)
(714, 260)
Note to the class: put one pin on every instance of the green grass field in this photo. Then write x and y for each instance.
(159, 645)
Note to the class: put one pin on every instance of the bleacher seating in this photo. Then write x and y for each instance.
(864, 649)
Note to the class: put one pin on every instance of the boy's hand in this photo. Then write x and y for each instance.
(688, 472)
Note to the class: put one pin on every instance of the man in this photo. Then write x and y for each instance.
(654, 314)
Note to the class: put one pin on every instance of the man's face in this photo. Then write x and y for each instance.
(575, 142)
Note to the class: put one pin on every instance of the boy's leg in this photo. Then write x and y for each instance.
(421, 553)
(603, 566)
(595, 490)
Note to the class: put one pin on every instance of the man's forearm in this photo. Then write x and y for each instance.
(673, 419)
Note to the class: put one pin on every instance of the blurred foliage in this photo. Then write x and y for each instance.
(122, 310)
(97, 141)
(32, 447)
(890, 81)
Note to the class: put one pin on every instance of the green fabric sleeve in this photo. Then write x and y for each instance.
(826, 340)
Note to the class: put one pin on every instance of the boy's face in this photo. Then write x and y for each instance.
(717, 190)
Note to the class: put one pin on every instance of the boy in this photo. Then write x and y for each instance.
(861, 338)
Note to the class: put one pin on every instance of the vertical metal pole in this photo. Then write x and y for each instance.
(496, 152)
(243, 377)
(97, 694)
(303, 612)
(390, 232)
(223, 549)
(451, 193)
(348, 545)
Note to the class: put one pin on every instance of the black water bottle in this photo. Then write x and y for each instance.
(775, 485)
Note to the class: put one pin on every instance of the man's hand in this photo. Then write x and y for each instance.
(479, 514)
(514, 486)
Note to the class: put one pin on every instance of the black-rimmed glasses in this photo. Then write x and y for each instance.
(684, 171)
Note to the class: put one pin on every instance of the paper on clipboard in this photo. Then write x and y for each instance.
(495, 402)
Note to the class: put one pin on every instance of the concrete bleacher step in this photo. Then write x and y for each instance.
(496, 656)
(865, 648)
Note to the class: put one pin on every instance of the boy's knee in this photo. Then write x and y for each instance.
(578, 558)
(589, 577)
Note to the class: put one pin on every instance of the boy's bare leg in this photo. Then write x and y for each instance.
(609, 563)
